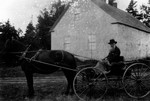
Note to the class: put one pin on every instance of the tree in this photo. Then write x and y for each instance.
(46, 21)
(19, 32)
(145, 11)
(30, 29)
(143, 14)
(8, 31)
(132, 9)
(30, 33)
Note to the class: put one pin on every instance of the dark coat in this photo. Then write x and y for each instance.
(114, 55)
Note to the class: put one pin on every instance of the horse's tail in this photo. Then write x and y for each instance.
(70, 59)
(74, 60)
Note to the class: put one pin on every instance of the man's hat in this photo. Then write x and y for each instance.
(112, 41)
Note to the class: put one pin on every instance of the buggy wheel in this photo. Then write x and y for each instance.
(136, 80)
(90, 83)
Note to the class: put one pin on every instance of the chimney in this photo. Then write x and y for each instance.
(115, 4)
(112, 3)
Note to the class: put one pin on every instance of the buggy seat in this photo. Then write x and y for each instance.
(117, 67)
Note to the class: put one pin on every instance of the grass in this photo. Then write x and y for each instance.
(54, 91)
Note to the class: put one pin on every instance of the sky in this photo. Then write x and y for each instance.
(21, 12)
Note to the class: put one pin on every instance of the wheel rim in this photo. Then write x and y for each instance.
(91, 86)
(136, 80)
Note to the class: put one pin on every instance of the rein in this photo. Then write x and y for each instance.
(50, 64)
(44, 50)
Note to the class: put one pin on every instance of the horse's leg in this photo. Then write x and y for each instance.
(71, 81)
(29, 77)
(68, 85)
(70, 76)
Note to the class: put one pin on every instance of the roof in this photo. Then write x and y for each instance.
(59, 18)
(121, 16)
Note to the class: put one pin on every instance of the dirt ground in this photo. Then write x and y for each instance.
(50, 88)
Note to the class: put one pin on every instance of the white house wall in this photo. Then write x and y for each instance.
(134, 43)
(86, 19)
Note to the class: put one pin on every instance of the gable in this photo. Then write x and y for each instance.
(82, 14)
(121, 17)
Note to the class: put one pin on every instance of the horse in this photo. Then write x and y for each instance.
(16, 53)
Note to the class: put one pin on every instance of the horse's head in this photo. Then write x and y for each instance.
(11, 51)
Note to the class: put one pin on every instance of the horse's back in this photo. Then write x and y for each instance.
(44, 56)
(57, 56)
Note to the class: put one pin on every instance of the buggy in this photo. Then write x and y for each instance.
(132, 76)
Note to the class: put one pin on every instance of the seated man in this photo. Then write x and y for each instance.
(113, 56)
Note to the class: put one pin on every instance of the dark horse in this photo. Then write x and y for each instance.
(12, 54)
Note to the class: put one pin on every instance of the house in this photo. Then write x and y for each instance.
(86, 27)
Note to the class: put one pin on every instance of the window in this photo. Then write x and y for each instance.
(92, 42)
(92, 46)
(67, 43)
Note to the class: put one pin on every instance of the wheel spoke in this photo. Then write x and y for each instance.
(126, 85)
(80, 86)
(89, 81)
(130, 78)
(144, 72)
(134, 72)
(131, 89)
(142, 85)
(141, 90)
(145, 79)
(83, 91)
(136, 80)
(137, 93)
(138, 70)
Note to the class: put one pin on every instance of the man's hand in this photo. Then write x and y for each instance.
(106, 61)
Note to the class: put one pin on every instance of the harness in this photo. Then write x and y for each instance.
(25, 52)
(62, 57)
(36, 54)
(62, 53)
